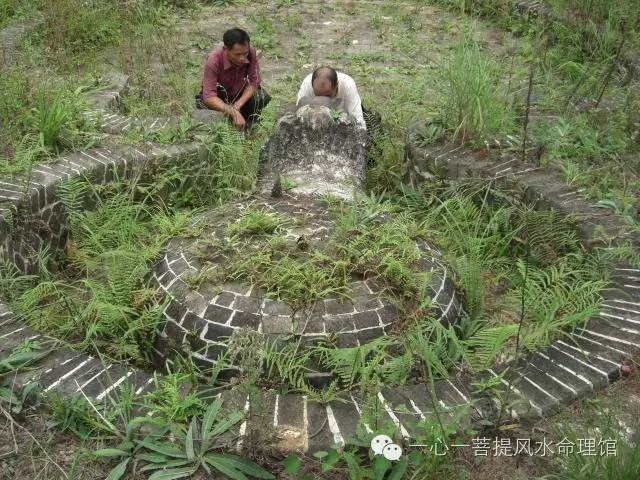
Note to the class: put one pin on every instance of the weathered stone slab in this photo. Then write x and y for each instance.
(319, 152)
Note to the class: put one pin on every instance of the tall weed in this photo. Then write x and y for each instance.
(470, 103)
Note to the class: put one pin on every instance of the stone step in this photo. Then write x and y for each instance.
(347, 418)
(403, 410)
(597, 372)
(586, 341)
(569, 381)
(291, 422)
(548, 383)
(61, 374)
(320, 435)
(531, 387)
(13, 334)
(612, 334)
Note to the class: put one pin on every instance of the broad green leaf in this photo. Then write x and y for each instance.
(242, 464)
(7, 395)
(292, 464)
(210, 416)
(380, 467)
(164, 449)
(152, 457)
(330, 460)
(249, 467)
(355, 470)
(118, 470)
(110, 452)
(399, 469)
(136, 422)
(174, 473)
(226, 424)
(223, 467)
(168, 464)
(189, 440)
(126, 446)
(320, 454)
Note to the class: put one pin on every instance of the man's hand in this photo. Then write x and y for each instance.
(237, 119)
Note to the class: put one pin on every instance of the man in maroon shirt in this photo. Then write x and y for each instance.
(231, 80)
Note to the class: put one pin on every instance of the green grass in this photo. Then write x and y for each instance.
(12, 11)
(485, 242)
(42, 119)
(265, 36)
(297, 281)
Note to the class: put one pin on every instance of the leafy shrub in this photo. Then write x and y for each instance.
(179, 451)
(577, 139)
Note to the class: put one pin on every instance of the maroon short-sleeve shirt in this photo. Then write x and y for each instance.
(218, 70)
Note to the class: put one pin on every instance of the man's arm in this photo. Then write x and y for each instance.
(233, 113)
(352, 102)
(210, 95)
(244, 98)
(306, 90)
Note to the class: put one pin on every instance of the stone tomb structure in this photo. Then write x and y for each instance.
(32, 217)
(317, 154)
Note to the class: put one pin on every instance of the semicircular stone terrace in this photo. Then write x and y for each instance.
(319, 155)
(206, 316)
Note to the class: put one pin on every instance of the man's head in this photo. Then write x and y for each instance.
(324, 81)
(236, 45)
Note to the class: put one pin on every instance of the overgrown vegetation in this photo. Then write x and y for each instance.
(102, 298)
(17, 361)
(472, 106)
(585, 119)
(503, 256)
(585, 112)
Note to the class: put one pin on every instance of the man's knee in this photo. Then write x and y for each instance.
(261, 99)
(256, 103)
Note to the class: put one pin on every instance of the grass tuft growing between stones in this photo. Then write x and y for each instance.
(471, 103)
(296, 280)
(366, 242)
(255, 222)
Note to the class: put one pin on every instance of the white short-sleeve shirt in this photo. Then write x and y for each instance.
(347, 96)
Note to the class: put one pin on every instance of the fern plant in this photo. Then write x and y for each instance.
(102, 299)
(556, 298)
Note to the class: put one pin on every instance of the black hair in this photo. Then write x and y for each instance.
(331, 74)
(233, 36)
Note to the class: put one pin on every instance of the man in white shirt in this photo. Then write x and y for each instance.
(338, 86)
